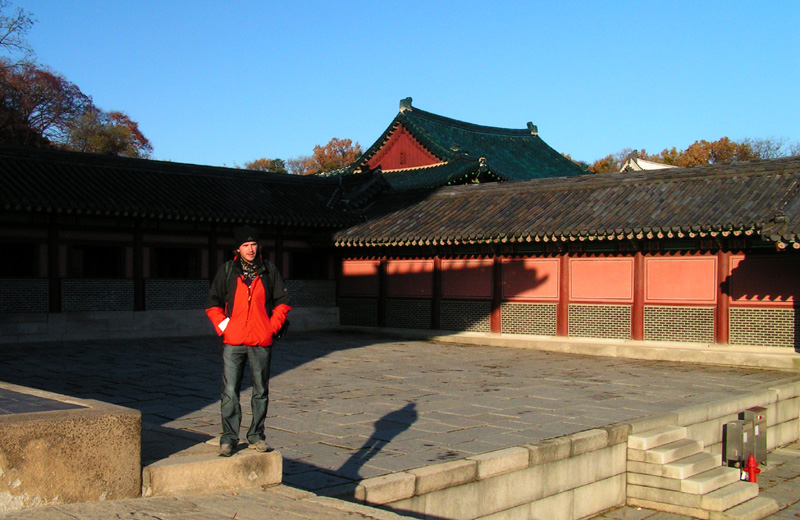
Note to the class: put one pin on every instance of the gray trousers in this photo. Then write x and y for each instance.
(233, 361)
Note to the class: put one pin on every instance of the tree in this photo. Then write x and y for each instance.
(41, 108)
(37, 105)
(721, 151)
(13, 28)
(106, 133)
(336, 154)
(267, 165)
(772, 147)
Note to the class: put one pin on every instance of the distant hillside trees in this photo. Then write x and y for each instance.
(721, 151)
(267, 165)
(336, 154)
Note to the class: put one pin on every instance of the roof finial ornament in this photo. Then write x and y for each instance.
(405, 104)
(534, 130)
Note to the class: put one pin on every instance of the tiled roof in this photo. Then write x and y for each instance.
(467, 151)
(66, 182)
(759, 197)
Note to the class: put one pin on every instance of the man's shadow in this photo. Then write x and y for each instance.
(386, 428)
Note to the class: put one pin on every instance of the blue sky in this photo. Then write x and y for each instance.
(222, 83)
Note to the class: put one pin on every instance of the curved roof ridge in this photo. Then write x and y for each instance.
(472, 127)
(667, 176)
(154, 166)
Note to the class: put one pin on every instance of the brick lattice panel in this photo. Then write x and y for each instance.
(600, 321)
(96, 295)
(312, 293)
(692, 324)
(529, 318)
(408, 314)
(466, 316)
(764, 327)
(175, 294)
(361, 312)
(23, 295)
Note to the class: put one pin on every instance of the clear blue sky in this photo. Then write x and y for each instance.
(226, 82)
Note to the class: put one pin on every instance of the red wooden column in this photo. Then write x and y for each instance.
(637, 311)
(562, 311)
(721, 313)
(436, 300)
(383, 285)
(496, 321)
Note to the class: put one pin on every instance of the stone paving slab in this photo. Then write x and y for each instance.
(16, 402)
(347, 406)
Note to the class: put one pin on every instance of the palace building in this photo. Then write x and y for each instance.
(440, 225)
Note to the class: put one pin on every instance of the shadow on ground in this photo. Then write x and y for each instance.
(165, 379)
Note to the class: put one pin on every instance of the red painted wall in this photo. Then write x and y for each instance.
(601, 279)
(681, 280)
(467, 278)
(767, 279)
(530, 279)
(409, 278)
(359, 278)
(401, 151)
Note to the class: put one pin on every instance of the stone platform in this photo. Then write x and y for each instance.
(347, 407)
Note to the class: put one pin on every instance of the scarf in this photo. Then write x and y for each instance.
(249, 271)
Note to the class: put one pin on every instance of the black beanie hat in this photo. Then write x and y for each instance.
(244, 234)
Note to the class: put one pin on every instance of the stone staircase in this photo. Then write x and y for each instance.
(669, 472)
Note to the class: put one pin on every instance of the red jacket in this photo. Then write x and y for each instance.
(247, 307)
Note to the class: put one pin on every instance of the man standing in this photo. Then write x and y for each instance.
(248, 304)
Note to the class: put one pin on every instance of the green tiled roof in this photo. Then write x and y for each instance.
(758, 199)
(469, 152)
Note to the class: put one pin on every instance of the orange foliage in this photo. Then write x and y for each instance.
(336, 154)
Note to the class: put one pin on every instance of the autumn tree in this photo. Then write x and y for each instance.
(40, 107)
(267, 165)
(721, 151)
(37, 105)
(106, 133)
(336, 154)
(303, 165)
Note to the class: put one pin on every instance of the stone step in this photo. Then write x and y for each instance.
(208, 472)
(691, 512)
(656, 437)
(711, 480)
(693, 465)
(754, 509)
(679, 469)
(717, 500)
(672, 451)
(729, 496)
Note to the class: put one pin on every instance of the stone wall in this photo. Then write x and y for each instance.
(568, 477)
(25, 328)
(102, 308)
